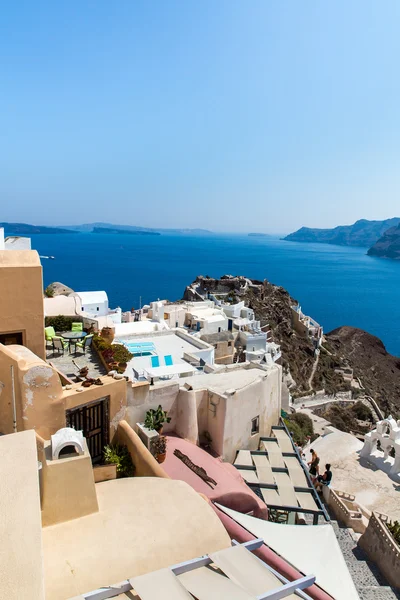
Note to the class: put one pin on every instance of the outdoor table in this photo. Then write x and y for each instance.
(73, 336)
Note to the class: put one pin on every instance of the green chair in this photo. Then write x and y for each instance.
(59, 344)
(49, 333)
(77, 327)
(85, 343)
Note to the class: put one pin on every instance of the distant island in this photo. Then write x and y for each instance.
(126, 231)
(388, 246)
(361, 233)
(90, 227)
(258, 234)
(25, 228)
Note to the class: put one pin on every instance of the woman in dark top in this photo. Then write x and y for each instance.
(326, 478)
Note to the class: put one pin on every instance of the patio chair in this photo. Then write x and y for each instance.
(168, 360)
(155, 361)
(49, 333)
(77, 327)
(83, 344)
(59, 344)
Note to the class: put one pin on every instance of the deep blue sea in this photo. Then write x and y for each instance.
(335, 285)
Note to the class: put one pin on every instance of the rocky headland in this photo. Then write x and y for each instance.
(361, 233)
(388, 246)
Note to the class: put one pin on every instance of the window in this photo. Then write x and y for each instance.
(255, 425)
(98, 308)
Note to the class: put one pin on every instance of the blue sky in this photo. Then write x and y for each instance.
(223, 114)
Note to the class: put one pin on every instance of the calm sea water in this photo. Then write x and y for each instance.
(335, 285)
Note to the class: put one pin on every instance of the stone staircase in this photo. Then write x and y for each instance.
(367, 578)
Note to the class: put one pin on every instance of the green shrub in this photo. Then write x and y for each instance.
(121, 354)
(362, 412)
(394, 529)
(61, 323)
(101, 343)
(300, 427)
(119, 455)
(49, 292)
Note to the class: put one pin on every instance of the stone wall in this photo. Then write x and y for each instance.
(381, 548)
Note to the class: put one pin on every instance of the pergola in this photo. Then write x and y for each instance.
(233, 573)
(278, 472)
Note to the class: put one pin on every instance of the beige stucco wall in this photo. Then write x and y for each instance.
(21, 297)
(68, 489)
(145, 463)
(142, 396)
(381, 548)
(143, 524)
(41, 401)
(225, 415)
(261, 398)
(21, 554)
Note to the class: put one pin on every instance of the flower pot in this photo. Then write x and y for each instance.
(161, 457)
(107, 333)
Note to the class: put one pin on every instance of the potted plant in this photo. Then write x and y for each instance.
(159, 448)
(119, 455)
(155, 419)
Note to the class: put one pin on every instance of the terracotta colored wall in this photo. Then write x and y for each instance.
(115, 389)
(40, 400)
(21, 298)
(145, 463)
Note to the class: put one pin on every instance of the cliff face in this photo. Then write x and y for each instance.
(388, 246)
(378, 371)
(361, 233)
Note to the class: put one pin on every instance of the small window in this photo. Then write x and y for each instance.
(255, 425)
(229, 344)
(83, 308)
(98, 308)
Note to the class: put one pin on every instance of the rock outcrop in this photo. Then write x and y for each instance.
(58, 289)
(388, 246)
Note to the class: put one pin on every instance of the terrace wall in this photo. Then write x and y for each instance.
(382, 549)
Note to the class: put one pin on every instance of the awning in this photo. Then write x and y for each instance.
(309, 548)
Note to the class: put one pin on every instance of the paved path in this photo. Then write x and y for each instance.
(367, 578)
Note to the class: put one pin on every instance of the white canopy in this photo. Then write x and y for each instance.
(308, 548)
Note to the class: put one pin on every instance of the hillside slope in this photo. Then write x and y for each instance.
(361, 233)
(378, 371)
(388, 246)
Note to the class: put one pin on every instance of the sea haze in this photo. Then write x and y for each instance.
(336, 285)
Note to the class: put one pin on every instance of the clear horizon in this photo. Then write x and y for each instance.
(227, 116)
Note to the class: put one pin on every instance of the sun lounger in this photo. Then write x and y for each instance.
(155, 361)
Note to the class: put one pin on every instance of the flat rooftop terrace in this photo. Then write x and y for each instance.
(221, 382)
(161, 344)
